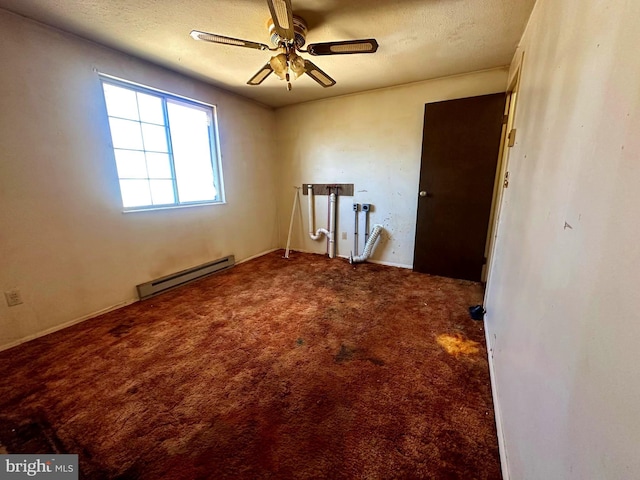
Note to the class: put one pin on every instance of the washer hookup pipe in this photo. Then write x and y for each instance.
(321, 231)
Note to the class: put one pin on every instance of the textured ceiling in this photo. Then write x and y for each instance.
(419, 39)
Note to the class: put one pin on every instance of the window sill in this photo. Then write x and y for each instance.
(170, 207)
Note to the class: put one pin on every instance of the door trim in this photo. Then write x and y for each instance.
(502, 171)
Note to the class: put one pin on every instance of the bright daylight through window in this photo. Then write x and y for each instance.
(164, 146)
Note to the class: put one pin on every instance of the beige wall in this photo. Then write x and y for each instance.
(564, 295)
(64, 241)
(373, 140)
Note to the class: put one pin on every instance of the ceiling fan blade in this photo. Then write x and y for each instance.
(368, 45)
(215, 38)
(259, 77)
(318, 75)
(282, 15)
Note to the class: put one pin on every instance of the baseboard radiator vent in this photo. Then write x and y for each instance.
(174, 280)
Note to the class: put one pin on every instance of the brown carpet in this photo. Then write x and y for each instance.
(306, 368)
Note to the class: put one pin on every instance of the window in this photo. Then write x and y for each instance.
(164, 147)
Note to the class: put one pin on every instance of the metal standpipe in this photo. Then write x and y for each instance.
(366, 208)
(356, 207)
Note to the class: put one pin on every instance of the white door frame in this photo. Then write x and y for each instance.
(502, 172)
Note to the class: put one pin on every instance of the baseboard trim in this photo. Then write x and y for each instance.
(504, 464)
(379, 262)
(64, 325)
(391, 264)
(257, 255)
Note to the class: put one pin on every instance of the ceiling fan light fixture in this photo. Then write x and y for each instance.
(279, 65)
(296, 65)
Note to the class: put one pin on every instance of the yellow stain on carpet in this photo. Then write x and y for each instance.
(457, 344)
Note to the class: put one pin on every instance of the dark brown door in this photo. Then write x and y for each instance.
(461, 143)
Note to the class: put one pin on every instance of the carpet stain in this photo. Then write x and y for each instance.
(458, 345)
(347, 354)
(121, 330)
(29, 435)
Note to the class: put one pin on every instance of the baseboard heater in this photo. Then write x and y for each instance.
(154, 287)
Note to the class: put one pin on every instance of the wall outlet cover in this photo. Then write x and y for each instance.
(13, 297)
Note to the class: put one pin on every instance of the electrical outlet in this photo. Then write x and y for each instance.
(344, 235)
(366, 207)
(355, 207)
(13, 297)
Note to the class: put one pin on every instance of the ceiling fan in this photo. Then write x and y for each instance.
(288, 34)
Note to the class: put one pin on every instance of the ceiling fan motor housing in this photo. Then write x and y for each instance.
(299, 29)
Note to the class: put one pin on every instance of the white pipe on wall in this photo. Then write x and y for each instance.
(332, 225)
(321, 231)
(369, 247)
(331, 233)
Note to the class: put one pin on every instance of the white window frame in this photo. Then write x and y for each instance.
(214, 143)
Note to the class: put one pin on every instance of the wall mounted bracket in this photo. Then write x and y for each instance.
(343, 189)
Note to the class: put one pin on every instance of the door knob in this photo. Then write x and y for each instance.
(423, 193)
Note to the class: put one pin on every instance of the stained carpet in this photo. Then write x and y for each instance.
(306, 368)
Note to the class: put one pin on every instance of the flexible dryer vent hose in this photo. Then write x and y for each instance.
(370, 245)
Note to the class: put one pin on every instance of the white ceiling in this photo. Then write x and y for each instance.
(419, 39)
